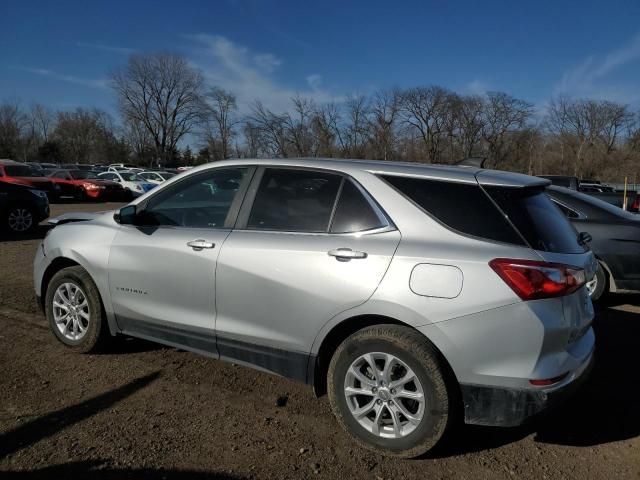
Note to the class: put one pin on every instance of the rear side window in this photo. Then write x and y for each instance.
(294, 201)
(537, 219)
(566, 210)
(461, 206)
(354, 213)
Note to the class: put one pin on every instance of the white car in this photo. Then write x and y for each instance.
(129, 180)
(156, 177)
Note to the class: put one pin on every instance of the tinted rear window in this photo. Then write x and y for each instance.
(461, 206)
(539, 221)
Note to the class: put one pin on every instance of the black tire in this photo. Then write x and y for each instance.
(27, 218)
(80, 195)
(420, 355)
(602, 284)
(97, 335)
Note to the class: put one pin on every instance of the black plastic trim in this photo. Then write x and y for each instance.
(291, 364)
(508, 407)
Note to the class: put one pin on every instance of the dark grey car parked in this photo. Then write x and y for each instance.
(615, 239)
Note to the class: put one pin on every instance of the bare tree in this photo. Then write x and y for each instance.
(12, 123)
(272, 129)
(87, 136)
(385, 107)
(503, 114)
(326, 128)
(42, 120)
(298, 127)
(221, 110)
(162, 92)
(140, 142)
(423, 110)
(356, 127)
(469, 123)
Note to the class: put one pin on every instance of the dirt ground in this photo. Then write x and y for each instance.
(148, 411)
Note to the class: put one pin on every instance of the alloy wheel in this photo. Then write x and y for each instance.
(71, 311)
(20, 219)
(384, 395)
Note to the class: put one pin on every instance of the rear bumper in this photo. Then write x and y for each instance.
(507, 407)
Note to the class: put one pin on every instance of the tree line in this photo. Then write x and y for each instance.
(163, 101)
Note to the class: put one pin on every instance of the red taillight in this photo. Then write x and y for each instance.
(545, 382)
(532, 280)
(635, 206)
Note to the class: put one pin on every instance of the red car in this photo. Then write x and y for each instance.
(23, 174)
(85, 185)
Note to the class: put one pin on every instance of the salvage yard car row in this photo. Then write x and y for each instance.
(83, 182)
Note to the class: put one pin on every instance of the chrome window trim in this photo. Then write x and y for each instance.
(387, 223)
(581, 216)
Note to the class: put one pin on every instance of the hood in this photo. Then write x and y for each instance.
(76, 217)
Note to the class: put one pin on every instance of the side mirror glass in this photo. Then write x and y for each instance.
(126, 215)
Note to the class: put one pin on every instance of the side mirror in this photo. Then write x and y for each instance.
(584, 238)
(126, 215)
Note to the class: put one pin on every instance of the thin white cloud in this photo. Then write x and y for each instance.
(475, 87)
(251, 75)
(592, 78)
(315, 81)
(107, 48)
(87, 82)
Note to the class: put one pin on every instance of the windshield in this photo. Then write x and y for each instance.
(83, 174)
(131, 177)
(167, 175)
(20, 171)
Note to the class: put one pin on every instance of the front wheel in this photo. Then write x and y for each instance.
(20, 219)
(74, 310)
(387, 388)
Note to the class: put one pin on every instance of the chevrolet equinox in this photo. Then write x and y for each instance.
(413, 295)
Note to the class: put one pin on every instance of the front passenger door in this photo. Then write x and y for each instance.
(312, 245)
(162, 270)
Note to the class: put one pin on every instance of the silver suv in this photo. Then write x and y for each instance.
(414, 295)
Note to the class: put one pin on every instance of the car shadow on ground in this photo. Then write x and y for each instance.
(47, 425)
(605, 409)
(122, 344)
(100, 470)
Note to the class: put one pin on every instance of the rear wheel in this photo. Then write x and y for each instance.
(598, 287)
(74, 310)
(20, 219)
(387, 388)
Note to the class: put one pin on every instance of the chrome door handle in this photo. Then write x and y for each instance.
(199, 244)
(346, 254)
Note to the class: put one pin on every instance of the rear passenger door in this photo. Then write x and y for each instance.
(308, 245)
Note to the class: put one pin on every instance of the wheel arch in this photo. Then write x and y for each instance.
(60, 263)
(319, 365)
(54, 267)
(612, 287)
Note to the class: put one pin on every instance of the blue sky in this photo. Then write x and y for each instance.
(60, 53)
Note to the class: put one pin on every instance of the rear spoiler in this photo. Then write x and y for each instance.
(500, 178)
